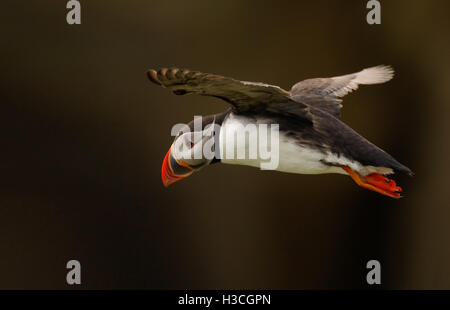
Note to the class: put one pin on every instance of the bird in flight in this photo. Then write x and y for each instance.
(312, 139)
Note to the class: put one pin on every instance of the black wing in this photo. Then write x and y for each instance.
(243, 96)
(341, 139)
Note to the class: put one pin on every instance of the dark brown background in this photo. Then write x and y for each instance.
(84, 133)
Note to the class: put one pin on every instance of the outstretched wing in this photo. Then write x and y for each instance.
(243, 96)
(324, 93)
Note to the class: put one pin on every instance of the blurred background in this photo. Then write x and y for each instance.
(84, 135)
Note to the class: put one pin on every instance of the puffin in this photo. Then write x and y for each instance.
(312, 139)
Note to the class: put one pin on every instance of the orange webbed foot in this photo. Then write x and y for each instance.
(375, 182)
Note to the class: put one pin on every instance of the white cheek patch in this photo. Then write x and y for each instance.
(180, 150)
(195, 148)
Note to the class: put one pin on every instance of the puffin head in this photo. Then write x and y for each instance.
(189, 152)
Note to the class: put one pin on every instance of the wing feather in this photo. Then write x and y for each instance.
(242, 95)
(325, 93)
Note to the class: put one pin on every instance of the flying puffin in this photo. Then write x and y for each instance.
(312, 139)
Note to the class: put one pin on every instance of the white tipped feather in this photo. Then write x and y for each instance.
(348, 83)
(374, 75)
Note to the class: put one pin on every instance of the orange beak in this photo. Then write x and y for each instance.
(167, 174)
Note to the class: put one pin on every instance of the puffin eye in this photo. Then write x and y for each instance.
(189, 144)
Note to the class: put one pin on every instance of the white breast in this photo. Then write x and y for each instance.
(291, 157)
